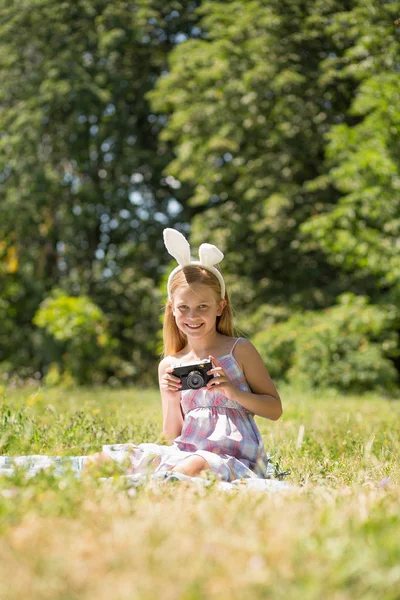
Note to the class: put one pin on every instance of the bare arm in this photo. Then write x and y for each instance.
(263, 400)
(170, 398)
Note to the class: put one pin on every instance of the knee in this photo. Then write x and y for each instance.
(192, 465)
(199, 464)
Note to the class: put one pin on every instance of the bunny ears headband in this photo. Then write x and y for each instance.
(178, 247)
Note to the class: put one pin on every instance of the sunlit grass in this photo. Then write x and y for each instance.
(334, 535)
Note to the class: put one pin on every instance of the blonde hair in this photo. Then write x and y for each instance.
(174, 339)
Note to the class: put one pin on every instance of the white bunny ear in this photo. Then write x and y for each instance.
(210, 255)
(177, 245)
(179, 248)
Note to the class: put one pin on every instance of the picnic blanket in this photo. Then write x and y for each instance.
(60, 465)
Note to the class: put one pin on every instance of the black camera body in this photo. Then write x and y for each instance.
(193, 376)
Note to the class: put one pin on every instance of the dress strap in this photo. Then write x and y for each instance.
(234, 345)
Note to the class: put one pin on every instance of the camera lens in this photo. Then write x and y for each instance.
(195, 380)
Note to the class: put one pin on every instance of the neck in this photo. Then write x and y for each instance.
(205, 346)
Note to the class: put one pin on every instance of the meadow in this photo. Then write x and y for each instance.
(335, 534)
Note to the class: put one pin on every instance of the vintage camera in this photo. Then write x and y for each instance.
(193, 376)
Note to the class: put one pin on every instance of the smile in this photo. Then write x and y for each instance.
(193, 326)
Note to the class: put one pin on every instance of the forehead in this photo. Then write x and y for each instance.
(195, 292)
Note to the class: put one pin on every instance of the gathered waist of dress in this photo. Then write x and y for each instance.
(219, 407)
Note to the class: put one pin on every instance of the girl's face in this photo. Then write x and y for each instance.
(196, 309)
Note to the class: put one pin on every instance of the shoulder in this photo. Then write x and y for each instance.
(243, 345)
(166, 362)
(226, 344)
(244, 351)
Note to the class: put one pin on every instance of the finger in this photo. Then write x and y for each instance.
(170, 377)
(214, 360)
(215, 370)
(167, 382)
(217, 380)
(214, 383)
(173, 386)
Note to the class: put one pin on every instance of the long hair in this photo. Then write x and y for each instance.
(174, 339)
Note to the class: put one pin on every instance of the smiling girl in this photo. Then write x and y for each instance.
(214, 425)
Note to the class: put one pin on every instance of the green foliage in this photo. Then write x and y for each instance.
(347, 347)
(277, 346)
(360, 234)
(248, 114)
(268, 128)
(284, 119)
(262, 318)
(72, 319)
(81, 329)
(83, 200)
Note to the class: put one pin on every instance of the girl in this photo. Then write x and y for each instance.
(214, 425)
(212, 428)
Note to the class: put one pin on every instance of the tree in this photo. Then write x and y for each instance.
(360, 234)
(248, 114)
(83, 198)
(284, 118)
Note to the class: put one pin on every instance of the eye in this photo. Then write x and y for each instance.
(182, 307)
(203, 306)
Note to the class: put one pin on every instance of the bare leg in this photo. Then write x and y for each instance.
(192, 465)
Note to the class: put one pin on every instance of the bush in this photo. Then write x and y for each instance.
(81, 344)
(277, 345)
(347, 347)
(262, 318)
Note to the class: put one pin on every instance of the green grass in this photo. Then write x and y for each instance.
(335, 535)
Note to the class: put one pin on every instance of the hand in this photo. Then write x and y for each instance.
(169, 382)
(220, 380)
